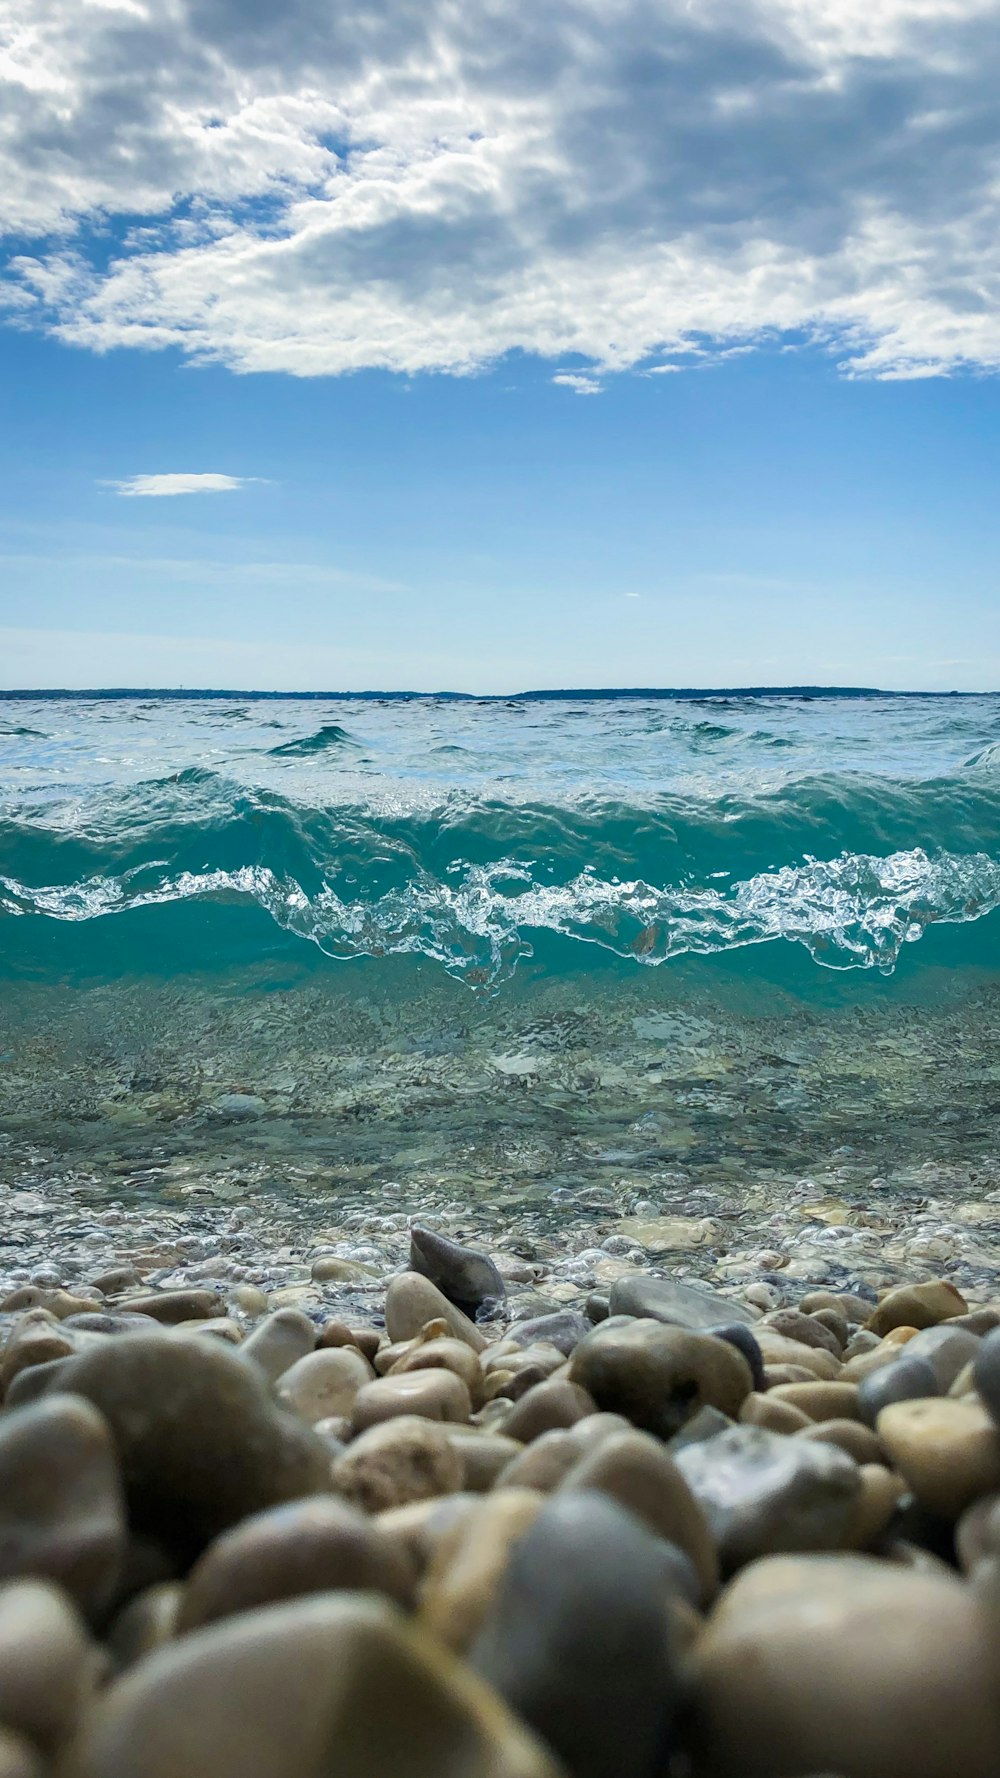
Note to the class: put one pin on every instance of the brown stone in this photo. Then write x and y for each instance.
(324, 1383)
(173, 1306)
(882, 1490)
(805, 1330)
(776, 1416)
(397, 1462)
(48, 1666)
(444, 1354)
(279, 1341)
(35, 1339)
(546, 1408)
(776, 1349)
(821, 1401)
(433, 1394)
(918, 1305)
(62, 1506)
(848, 1435)
(411, 1301)
(467, 1566)
(145, 1623)
(948, 1451)
(658, 1375)
(483, 1454)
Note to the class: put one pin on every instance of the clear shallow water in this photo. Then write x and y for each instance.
(554, 959)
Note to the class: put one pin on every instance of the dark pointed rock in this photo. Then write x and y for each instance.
(465, 1277)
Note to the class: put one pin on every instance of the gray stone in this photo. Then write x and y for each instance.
(563, 1329)
(577, 1637)
(468, 1279)
(904, 1379)
(986, 1372)
(62, 1506)
(681, 1305)
(765, 1493)
(279, 1341)
(947, 1349)
(658, 1376)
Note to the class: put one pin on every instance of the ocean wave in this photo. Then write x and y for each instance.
(331, 735)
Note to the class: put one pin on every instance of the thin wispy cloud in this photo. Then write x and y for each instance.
(316, 189)
(160, 487)
(580, 385)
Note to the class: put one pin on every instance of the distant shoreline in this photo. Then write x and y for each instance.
(608, 694)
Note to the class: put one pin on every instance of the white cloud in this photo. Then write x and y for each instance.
(314, 189)
(158, 487)
(581, 385)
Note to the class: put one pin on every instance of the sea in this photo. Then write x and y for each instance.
(548, 963)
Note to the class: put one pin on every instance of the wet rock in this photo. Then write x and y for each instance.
(400, 1461)
(577, 1640)
(113, 1322)
(62, 1506)
(323, 1384)
(882, 1493)
(918, 1305)
(412, 1300)
(563, 1329)
(852, 1308)
(762, 1492)
(199, 1441)
(310, 1546)
(905, 1379)
(48, 1666)
(467, 1566)
(947, 1349)
(634, 1469)
(433, 1394)
(659, 1375)
(548, 1407)
(816, 1360)
(279, 1341)
(337, 1333)
(835, 1324)
(117, 1281)
(694, 1307)
(337, 1683)
(467, 1279)
(416, 1531)
(805, 1668)
(174, 1306)
(330, 1269)
(948, 1451)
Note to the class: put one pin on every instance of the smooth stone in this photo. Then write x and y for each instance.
(116, 1281)
(18, 1759)
(467, 1278)
(816, 1360)
(577, 1639)
(548, 1407)
(538, 1355)
(248, 1300)
(552, 1455)
(564, 1329)
(433, 1394)
(338, 1683)
(917, 1305)
(323, 1384)
(773, 1415)
(815, 1665)
(173, 1306)
(679, 1305)
(947, 1349)
(466, 1568)
(279, 1341)
(443, 1354)
(60, 1303)
(948, 1451)
(199, 1439)
(762, 1492)
(218, 1328)
(484, 1455)
(366, 1339)
(978, 1321)
(977, 1534)
(48, 1665)
(705, 1424)
(777, 1374)
(311, 1546)
(986, 1372)
(111, 1321)
(835, 1323)
(634, 1469)
(821, 1401)
(144, 1624)
(746, 1342)
(858, 1441)
(905, 1379)
(792, 1325)
(62, 1506)
(34, 1340)
(401, 1460)
(657, 1375)
(416, 1530)
(412, 1300)
(597, 1306)
(34, 1382)
(843, 1303)
(882, 1494)
(329, 1269)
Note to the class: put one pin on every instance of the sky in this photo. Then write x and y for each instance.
(491, 347)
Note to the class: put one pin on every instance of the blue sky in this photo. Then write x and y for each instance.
(666, 360)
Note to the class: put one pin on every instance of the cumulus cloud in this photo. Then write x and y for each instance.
(284, 185)
(159, 487)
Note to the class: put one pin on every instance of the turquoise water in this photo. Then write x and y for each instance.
(495, 953)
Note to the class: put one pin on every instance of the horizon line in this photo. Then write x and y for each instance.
(542, 694)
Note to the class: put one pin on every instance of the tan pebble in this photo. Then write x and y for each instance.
(444, 1354)
(493, 1415)
(835, 1323)
(18, 1759)
(848, 1435)
(805, 1668)
(279, 1341)
(219, 1328)
(433, 1394)
(865, 1364)
(62, 1505)
(882, 1490)
(965, 1382)
(850, 1308)
(948, 1451)
(173, 1306)
(497, 1384)
(115, 1281)
(777, 1416)
(35, 1339)
(777, 1374)
(821, 1401)
(805, 1330)
(918, 1305)
(635, 1469)
(415, 1531)
(483, 1454)
(539, 1356)
(862, 1341)
(551, 1456)
(323, 1383)
(547, 1407)
(977, 1534)
(778, 1350)
(331, 1270)
(658, 1375)
(247, 1299)
(900, 1336)
(146, 1622)
(48, 1665)
(466, 1568)
(337, 1683)
(399, 1461)
(312, 1546)
(57, 1303)
(412, 1300)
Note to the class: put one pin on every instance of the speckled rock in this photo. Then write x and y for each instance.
(657, 1375)
(804, 1668)
(62, 1505)
(948, 1451)
(310, 1546)
(400, 1461)
(336, 1683)
(578, 1641)
(467, 1278)
(763, 1492)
